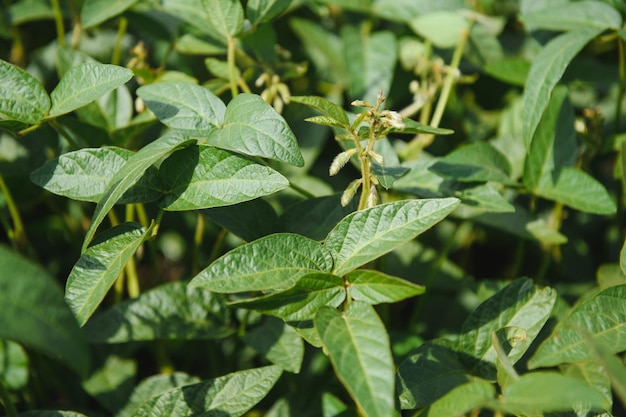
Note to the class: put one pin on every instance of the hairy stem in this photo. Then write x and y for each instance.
(232, 70)
(117, 50)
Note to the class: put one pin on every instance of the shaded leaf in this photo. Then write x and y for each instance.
(512, 70)
(443, 28)
(374, 287)
(365, 235)
(229, 395)
(22, 98)
(303, 300)
(428, 373)
(85, 83)
(111, 384)
(202, 176)
(546, 71)
(535, 393)
(476, 162)
(130, 173)
(249, 220)
(51, 413)
(253, 127)
(258, 11)
(168, 312)
(358, 346)
(225, 16)
(84, 175)
(13, 365)
(95, 12)
(608, 328)
(574, 16)
(183, 105)
(519, 305)
(462, 399)
(35, 315)
(272, 262)
(99, 266)
(577, 189)
(278, 343)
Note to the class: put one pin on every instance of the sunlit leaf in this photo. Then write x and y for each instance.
(225, 16)
(22, 98)
(358, 347)
(272, 262)
(365, 235)
(99, 266)
(573, 16)
(230, 395)
(461, 400)
(374, 287)
(258, 11)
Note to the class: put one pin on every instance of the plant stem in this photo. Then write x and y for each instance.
(622, 84)
(6, 401)
(232, 71)
(117, 50)
(217, 246)
(132, 280)
(197, 242)
(18, 234)
(301, 190)
(58, 21)
(422, 141)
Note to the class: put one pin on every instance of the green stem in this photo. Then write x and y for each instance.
(622, 84)
(422, 141)
(18, 234)
(218, 245)
(5, 398)
(117, 50)
(301, 190)
(58, 21)
(232, 70)
(197, 242)
(64, 133)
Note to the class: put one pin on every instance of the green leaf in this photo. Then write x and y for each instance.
(29, 11)
(358, 346)
(225, 16)
(578, 190)
(461, 400)
(253, 127)
(444, 29)
(111, 384)
(84, 175)
(272, 262)
(546, 71)
(167, 312)
(22, 98)
(130, 173)
(611, 366)
(428, 373)
(476, 162)
(259, 11)
(51, 413)
(534, 393)
(521, 305)
(35, 315)
(249, 220)
(368, 234)
(554, 144)
(593, 372)
(374, 287)
(183, 105)
(95, 12)
(301, 302)
(230, 395)
(370, 59)
(85, 83)
(322, 214)
(13, 365)
(567, 342)
(154, 386)
(195, 12)
(329, 109)
(412, 128)
(202, 176)
(278, 343)
(574, 16)
(622, 257)
(99, 266)
(512, 70)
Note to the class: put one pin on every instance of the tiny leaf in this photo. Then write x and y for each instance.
(327, 108)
